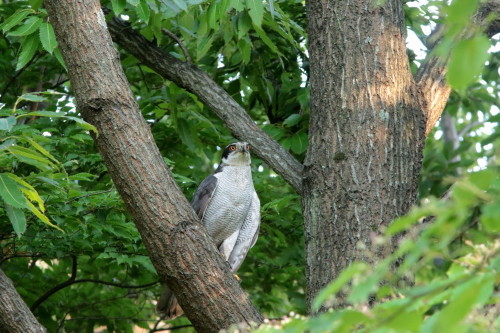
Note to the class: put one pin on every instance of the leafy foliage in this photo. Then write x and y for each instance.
(60, 214)
(451, 256)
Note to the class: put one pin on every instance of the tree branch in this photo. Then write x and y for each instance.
(211, 94)
(118, 285)
(180, 249)
(430, 77)
(181, 44)
(15, 315)
(60, 286)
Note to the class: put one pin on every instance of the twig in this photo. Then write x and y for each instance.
(15, 76)
(143, 76)
(181, 45)
(468, 127)
(87, 195)
(118, 285)
(60, 286)
(28, 255)
(72, 280)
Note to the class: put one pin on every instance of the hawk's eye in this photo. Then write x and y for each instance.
(248, 147)
(232, 148)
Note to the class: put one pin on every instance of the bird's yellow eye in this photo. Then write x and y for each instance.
(248, 147)
(232, 148)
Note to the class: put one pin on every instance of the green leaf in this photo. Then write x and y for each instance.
(26, 152)
(28, 49)
(15, 18)
(143, 11)
(186, 133)
(28, 190)
(59, 58)
(17, 219)
(181, 4)
(47, 37)
(212, 16)
(256, 11)
(262, 34)
(367, 284)
(466, 61)
(7, 123)
(271, 8)
(338, 283)
(82, 123)
(238, 5)
(118, 6)
(133, 2)
(42, 216)
(490, 217)
(460, 11)
(7, 143)
(42, 150)
(483, 178)
(292, 120)
(32, 98)
(42, 114)
(204, 45)
(245, 46)
(83, 176)
(244, 24)
(298, 143)
(35, 4)
(450, 318)
(405, 321)
(29, 27)
(11, 193)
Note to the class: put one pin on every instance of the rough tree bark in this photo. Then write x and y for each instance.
(366, 132)
(15, 316)
(198, 82)
(181, 251)
(367, 125)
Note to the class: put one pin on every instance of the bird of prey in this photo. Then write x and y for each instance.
(228, 206)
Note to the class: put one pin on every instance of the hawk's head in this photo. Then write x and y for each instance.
(237, 153)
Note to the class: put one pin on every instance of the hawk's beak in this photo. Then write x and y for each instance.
(244, 149)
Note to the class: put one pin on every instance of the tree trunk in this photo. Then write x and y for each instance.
(15, 316)
(366, 132)
(180, 249)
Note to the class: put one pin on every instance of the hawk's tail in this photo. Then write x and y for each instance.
(167, 305)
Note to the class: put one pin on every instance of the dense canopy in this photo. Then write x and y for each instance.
(74, 253)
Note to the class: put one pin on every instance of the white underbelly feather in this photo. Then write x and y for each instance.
(229, 205)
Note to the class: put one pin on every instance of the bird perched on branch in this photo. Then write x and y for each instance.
(228, 206)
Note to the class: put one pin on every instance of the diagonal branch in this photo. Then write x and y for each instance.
(431, 80)
(211, 94)
(15, 315)
(430, 76)
(180, 249)
(60, 286)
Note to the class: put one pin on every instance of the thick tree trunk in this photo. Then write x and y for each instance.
(366, 132)
(181, 251)
(15, 316)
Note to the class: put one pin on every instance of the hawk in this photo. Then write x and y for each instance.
(228, 206)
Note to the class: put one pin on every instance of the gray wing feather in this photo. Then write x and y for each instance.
(227, 245)
(203, 195)
(247, 236)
